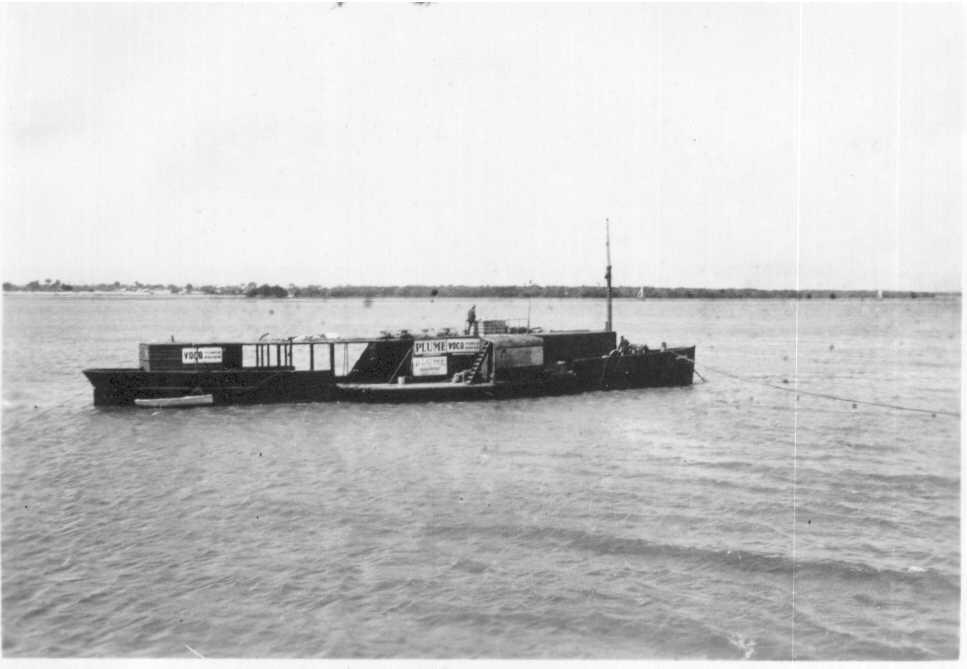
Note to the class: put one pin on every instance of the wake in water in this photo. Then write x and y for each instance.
(748, 561)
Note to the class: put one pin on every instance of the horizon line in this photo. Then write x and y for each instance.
(48, 285)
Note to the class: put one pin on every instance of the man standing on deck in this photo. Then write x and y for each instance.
(472, 320)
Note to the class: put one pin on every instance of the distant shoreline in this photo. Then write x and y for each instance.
(463, 292)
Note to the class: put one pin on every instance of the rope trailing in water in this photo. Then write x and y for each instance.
(827, 396)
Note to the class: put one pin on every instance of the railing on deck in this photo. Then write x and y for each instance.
(303, 356)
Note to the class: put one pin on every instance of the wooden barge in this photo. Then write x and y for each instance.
(501, 363)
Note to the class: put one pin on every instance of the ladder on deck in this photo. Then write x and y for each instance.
(478, 362)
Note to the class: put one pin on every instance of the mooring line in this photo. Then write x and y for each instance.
(828, 396)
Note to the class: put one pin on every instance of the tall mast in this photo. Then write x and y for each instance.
(607, 274)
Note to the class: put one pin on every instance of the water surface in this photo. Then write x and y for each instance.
(725, 520)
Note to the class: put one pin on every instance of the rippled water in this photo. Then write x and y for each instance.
(712, 521)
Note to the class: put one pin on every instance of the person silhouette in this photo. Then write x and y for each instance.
(472, 320)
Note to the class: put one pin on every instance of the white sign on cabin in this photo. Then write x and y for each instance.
(463, 346)
(430, 366)
(441, 346)
(429, 346)
(206, 356)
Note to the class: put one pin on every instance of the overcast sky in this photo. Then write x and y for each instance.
(484, 144)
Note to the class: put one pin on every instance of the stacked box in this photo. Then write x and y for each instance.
(493, 327)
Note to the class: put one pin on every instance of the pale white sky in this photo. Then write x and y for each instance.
(483, 144)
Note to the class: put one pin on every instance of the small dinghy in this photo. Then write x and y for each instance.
(175, 402)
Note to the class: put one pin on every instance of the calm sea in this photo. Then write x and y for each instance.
(725, 520)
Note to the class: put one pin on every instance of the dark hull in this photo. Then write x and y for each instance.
(113, 387)
(119, 387)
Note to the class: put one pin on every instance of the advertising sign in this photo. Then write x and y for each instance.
(206, 355)
(430, 366)
(463, 346)
(429, 346)
(441, 346)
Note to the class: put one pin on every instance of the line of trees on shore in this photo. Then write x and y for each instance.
(252, 289)
(57, 286)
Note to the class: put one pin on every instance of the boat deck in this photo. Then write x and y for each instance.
(431, 391)
(411, 388)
